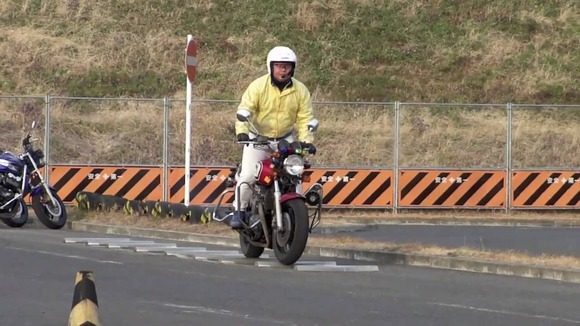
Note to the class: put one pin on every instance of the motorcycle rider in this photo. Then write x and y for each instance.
(280, 105)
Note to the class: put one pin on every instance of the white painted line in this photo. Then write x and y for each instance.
(314, 262)
(128, 244)
(68, 256)
(83, 240)
(155, 244)
(271, 263)
(243, 260)
(338, 268)
(504, 312)
(216, 259)
(183, 251)
(217, 253)
(157, 249)
(275, 263)
(191, 61)
(106, 242)
(238, 261)
(224, 312)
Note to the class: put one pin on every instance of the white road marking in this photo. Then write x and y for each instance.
(222, 312)
(504, 312)
(67, 256)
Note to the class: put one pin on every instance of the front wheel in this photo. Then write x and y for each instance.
(248, 249)
(52, 216)
(290, 243)
(20, 216)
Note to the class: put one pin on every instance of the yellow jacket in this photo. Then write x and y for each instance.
(274, 113)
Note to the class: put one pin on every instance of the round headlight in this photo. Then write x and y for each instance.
(294, 164)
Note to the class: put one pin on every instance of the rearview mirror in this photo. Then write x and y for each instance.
(243, 115)
(33, 125)
(313, 125)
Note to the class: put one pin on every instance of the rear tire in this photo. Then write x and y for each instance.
(289, 245)
(20, 218)
(52, 217)
(248, 249)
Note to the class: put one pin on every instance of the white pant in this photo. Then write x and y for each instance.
(250, 158)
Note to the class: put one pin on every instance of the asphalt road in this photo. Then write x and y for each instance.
(532, 240)
(37, 272)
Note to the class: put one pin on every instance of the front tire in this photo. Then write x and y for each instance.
(289, 245)
(248, 249)
(20, 216)
(53, 217)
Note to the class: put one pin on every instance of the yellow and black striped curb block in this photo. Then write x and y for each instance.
(382, 257)
(195, 214)
(85, 306)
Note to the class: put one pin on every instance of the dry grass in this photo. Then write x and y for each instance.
(509, 256)
(364, 49)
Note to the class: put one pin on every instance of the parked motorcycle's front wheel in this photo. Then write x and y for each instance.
(52, 216)
(19, 216)
(290, 243)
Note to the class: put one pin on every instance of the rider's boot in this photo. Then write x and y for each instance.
(237, 218)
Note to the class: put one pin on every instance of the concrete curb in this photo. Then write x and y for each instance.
(462, 222)
(381, 257)
(153, 233)
(344, 228)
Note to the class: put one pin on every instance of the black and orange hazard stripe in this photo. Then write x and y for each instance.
(205, 185)
(133, 183)
(353, 188)
(372, 188)
(452, 188)
(546, 189)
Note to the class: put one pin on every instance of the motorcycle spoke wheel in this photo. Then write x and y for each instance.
(20, 217)
(52, 216)
(284, 238)
(289, 244)
(54, 210)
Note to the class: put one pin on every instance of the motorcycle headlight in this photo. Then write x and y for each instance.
(39, 156)
(294, 164)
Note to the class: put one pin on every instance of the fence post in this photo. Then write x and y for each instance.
(165, 169)
(509, 125)
(47, 137)
(396, 132)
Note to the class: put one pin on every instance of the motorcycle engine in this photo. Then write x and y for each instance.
(256, 227)
(9, 185)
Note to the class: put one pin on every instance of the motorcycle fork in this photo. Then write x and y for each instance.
(47, 196)
(277, 196)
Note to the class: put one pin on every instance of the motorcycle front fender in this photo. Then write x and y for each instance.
(291, 195)
(39, 190)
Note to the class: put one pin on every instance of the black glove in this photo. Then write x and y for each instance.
(242, 137)
(310, 147)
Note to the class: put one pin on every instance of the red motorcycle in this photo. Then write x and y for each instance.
(277, 217)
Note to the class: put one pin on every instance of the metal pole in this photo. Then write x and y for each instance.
(47, 137)
(165, 172)
(508, 153)
(396, 131)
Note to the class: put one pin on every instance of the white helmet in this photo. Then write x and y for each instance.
(281, 54)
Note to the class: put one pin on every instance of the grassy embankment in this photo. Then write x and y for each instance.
(410, 51)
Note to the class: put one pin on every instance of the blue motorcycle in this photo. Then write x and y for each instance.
(20, 176)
